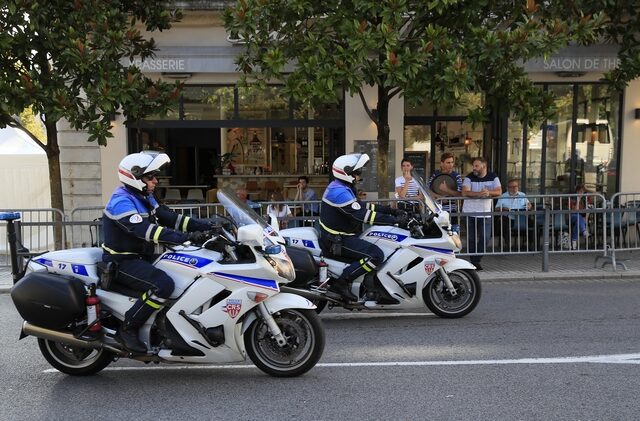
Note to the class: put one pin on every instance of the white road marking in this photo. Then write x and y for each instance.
(366, 315)
(594, 359)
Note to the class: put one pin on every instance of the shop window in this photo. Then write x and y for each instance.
(597, 144)
(263, 104)
(515, 146)
(417, 148)
(207, 102)
(331, 111)
(557, 165)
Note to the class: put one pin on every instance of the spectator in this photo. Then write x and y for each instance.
(444, 189)
(511, 200)
(479, 187)
(578, 220)
(279, 210)
(407, 188)
(362, 195)
(303, 192)
(243, 195)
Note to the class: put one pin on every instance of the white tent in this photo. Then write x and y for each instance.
(24, 177)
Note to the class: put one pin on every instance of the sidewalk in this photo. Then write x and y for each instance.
(575, 266)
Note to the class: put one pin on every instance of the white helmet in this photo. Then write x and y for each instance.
(345, 166)
(134, 166)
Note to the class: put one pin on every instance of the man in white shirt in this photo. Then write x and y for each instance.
(479, 188)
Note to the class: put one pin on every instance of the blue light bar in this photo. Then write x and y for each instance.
(9, 216)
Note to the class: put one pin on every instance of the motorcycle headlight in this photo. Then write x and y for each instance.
(282, 264)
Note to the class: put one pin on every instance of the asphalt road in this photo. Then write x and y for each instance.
(558, 350)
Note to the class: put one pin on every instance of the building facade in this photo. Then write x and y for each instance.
(222, 135)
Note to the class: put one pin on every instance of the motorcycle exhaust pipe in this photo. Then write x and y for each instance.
(66, 338)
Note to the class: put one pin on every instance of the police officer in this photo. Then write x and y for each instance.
(341, 217)
(133, 221)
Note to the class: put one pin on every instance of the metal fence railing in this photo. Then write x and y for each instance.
(551, 225)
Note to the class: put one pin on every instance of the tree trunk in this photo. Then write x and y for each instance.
(55, 180)
(383, 143)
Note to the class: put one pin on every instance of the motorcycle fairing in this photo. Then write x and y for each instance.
(188, 260)
(259, 282)
(80, 263)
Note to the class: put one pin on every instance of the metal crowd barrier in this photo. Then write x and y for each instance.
(34, 230)
(549, 227)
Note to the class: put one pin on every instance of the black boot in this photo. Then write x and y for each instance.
(127, 336)
(342, 287)
(134, 318)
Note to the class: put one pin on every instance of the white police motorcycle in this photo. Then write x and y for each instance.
(420, 267)
(227, 304)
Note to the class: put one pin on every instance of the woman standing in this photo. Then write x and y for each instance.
(279, 210)
(407, 188)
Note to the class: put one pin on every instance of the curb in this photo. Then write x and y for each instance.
(555, 276)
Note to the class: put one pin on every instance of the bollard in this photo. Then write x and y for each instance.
(545, 241)
(10, 217)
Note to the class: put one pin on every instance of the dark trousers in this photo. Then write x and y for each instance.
(365, 256)
(154, 284)
(479, 235)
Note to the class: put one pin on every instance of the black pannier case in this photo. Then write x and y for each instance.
(49, 301)
(305, 266)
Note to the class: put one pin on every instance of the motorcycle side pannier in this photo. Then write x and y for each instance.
(48, 300)
(304, 264)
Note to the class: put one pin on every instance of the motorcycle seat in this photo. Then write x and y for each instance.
(124, 290)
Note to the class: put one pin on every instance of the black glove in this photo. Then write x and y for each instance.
(397, 212)
(197, 237)
(402, 220)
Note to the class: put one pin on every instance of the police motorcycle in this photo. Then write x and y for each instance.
(420, 267)
(227, 305)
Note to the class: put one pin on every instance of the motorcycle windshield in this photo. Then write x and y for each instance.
(431, 204)
(243, 215)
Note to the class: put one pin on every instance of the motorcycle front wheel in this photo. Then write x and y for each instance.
(440, 301)
(305, 343)
(74, 361)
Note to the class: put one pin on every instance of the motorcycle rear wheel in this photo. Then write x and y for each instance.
(440, 301)
(74, 361)
(305, 343)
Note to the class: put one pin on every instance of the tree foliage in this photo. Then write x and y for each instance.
(424, 50)
(69, 59)
(64, 59)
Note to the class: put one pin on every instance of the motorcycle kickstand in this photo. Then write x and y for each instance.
(272, 325)
(447, 282)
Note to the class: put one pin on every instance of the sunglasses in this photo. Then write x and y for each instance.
(150, 176)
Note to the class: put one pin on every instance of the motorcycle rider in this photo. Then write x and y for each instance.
(133, 221)
(341, 217)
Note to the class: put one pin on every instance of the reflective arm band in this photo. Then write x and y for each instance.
(185, 223)
(332, 231)
(156, 236)
(373, 217)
